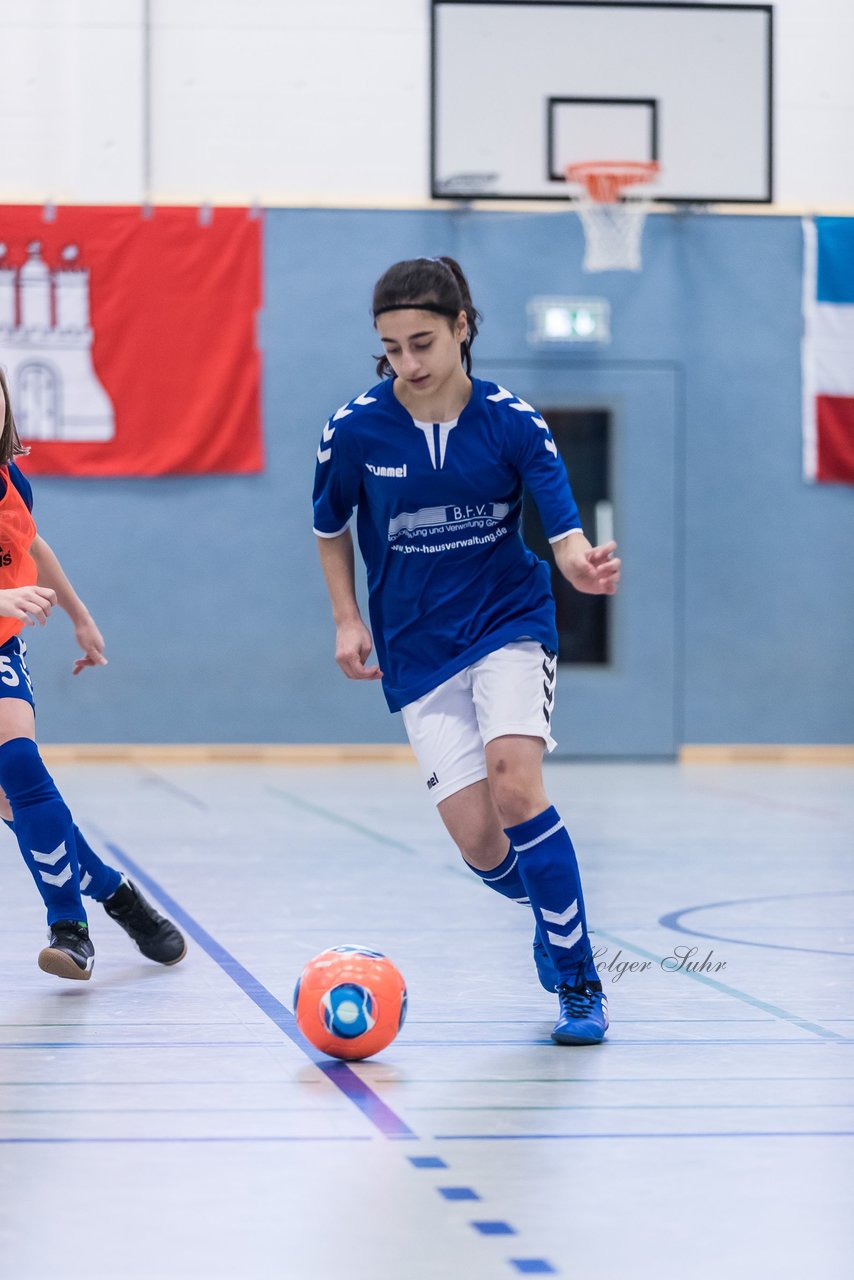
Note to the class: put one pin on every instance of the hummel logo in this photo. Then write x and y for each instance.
(432, 782)
(396, 473)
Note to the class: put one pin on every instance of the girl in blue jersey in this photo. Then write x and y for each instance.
(60, 860)
(462, 613)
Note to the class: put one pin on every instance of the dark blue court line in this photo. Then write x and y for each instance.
(343, 1077)
(673, 920)
(340, 821)
(178, 1140)
(615, 1040)
(583, 1137)
(140, 1044)
(167, 785)
(338, 1073)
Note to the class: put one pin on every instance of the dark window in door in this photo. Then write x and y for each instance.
(583, 440)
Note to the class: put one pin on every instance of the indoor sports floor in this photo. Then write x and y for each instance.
(171, 1123)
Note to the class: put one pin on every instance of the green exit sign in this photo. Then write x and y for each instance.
(568, 320)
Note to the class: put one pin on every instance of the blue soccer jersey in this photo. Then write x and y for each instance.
(439, 510)
(21, 483)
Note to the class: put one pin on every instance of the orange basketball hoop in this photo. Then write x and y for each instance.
(612, 220)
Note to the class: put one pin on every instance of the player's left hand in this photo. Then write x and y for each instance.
(596, 571)
(92, 643)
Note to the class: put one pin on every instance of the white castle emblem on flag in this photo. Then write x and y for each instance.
(46, 346)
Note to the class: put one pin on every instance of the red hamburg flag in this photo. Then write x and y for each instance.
(129, 341)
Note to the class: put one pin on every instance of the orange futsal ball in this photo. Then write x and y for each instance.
(350, 1002)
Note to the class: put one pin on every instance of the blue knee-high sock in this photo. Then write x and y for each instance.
(97, 880)
(505, 878)
(549, 872)
(43, 828)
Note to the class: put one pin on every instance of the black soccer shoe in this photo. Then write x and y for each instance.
(69, 953)
(156, 937)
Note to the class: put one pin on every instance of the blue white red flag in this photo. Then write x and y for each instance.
(828, 350)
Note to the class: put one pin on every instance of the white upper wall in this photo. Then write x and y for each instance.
(312, 101)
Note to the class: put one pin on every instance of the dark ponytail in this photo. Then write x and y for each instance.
(431, 284)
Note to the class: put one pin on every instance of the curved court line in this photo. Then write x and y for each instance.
(338, 1073)
(672, 920)
(814, 1027)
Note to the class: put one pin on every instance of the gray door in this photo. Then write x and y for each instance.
(629, 705)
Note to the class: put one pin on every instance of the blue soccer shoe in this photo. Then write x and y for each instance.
(583, 1014)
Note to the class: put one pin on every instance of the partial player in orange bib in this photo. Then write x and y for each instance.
(60, 860)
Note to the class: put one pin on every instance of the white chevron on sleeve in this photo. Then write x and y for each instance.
(62, 877)
(560, 918)
(364, 398)
(501, 394)
(323, 455)
(551, 446)
(51, 859)
(558, 940)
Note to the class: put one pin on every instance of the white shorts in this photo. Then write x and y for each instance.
(510, 691)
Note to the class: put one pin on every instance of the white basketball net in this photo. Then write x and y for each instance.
(613, 222)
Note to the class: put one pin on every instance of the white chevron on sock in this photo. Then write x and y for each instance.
(51, 859)
(558, 941)
(562, 917)
(58, 880)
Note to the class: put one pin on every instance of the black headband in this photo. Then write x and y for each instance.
(419, 306)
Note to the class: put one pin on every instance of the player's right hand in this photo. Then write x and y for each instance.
(30, 604)
(353, 643)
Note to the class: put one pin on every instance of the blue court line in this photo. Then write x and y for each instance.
(813, 1027)
(163, 1111)
(584, 1137)
(673, 920)
(615, 1041)
(490, 1227)
(305, 1084)
(343, 1077)
(139, 1044)
(579, 1106)
(340, 821)
(178, 1140)
(150, 775)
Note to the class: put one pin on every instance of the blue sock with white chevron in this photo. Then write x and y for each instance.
(549, 871)
(97, 880)
(43, 828)
(506, 879)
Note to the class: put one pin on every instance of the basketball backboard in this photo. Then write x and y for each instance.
(521, 90)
